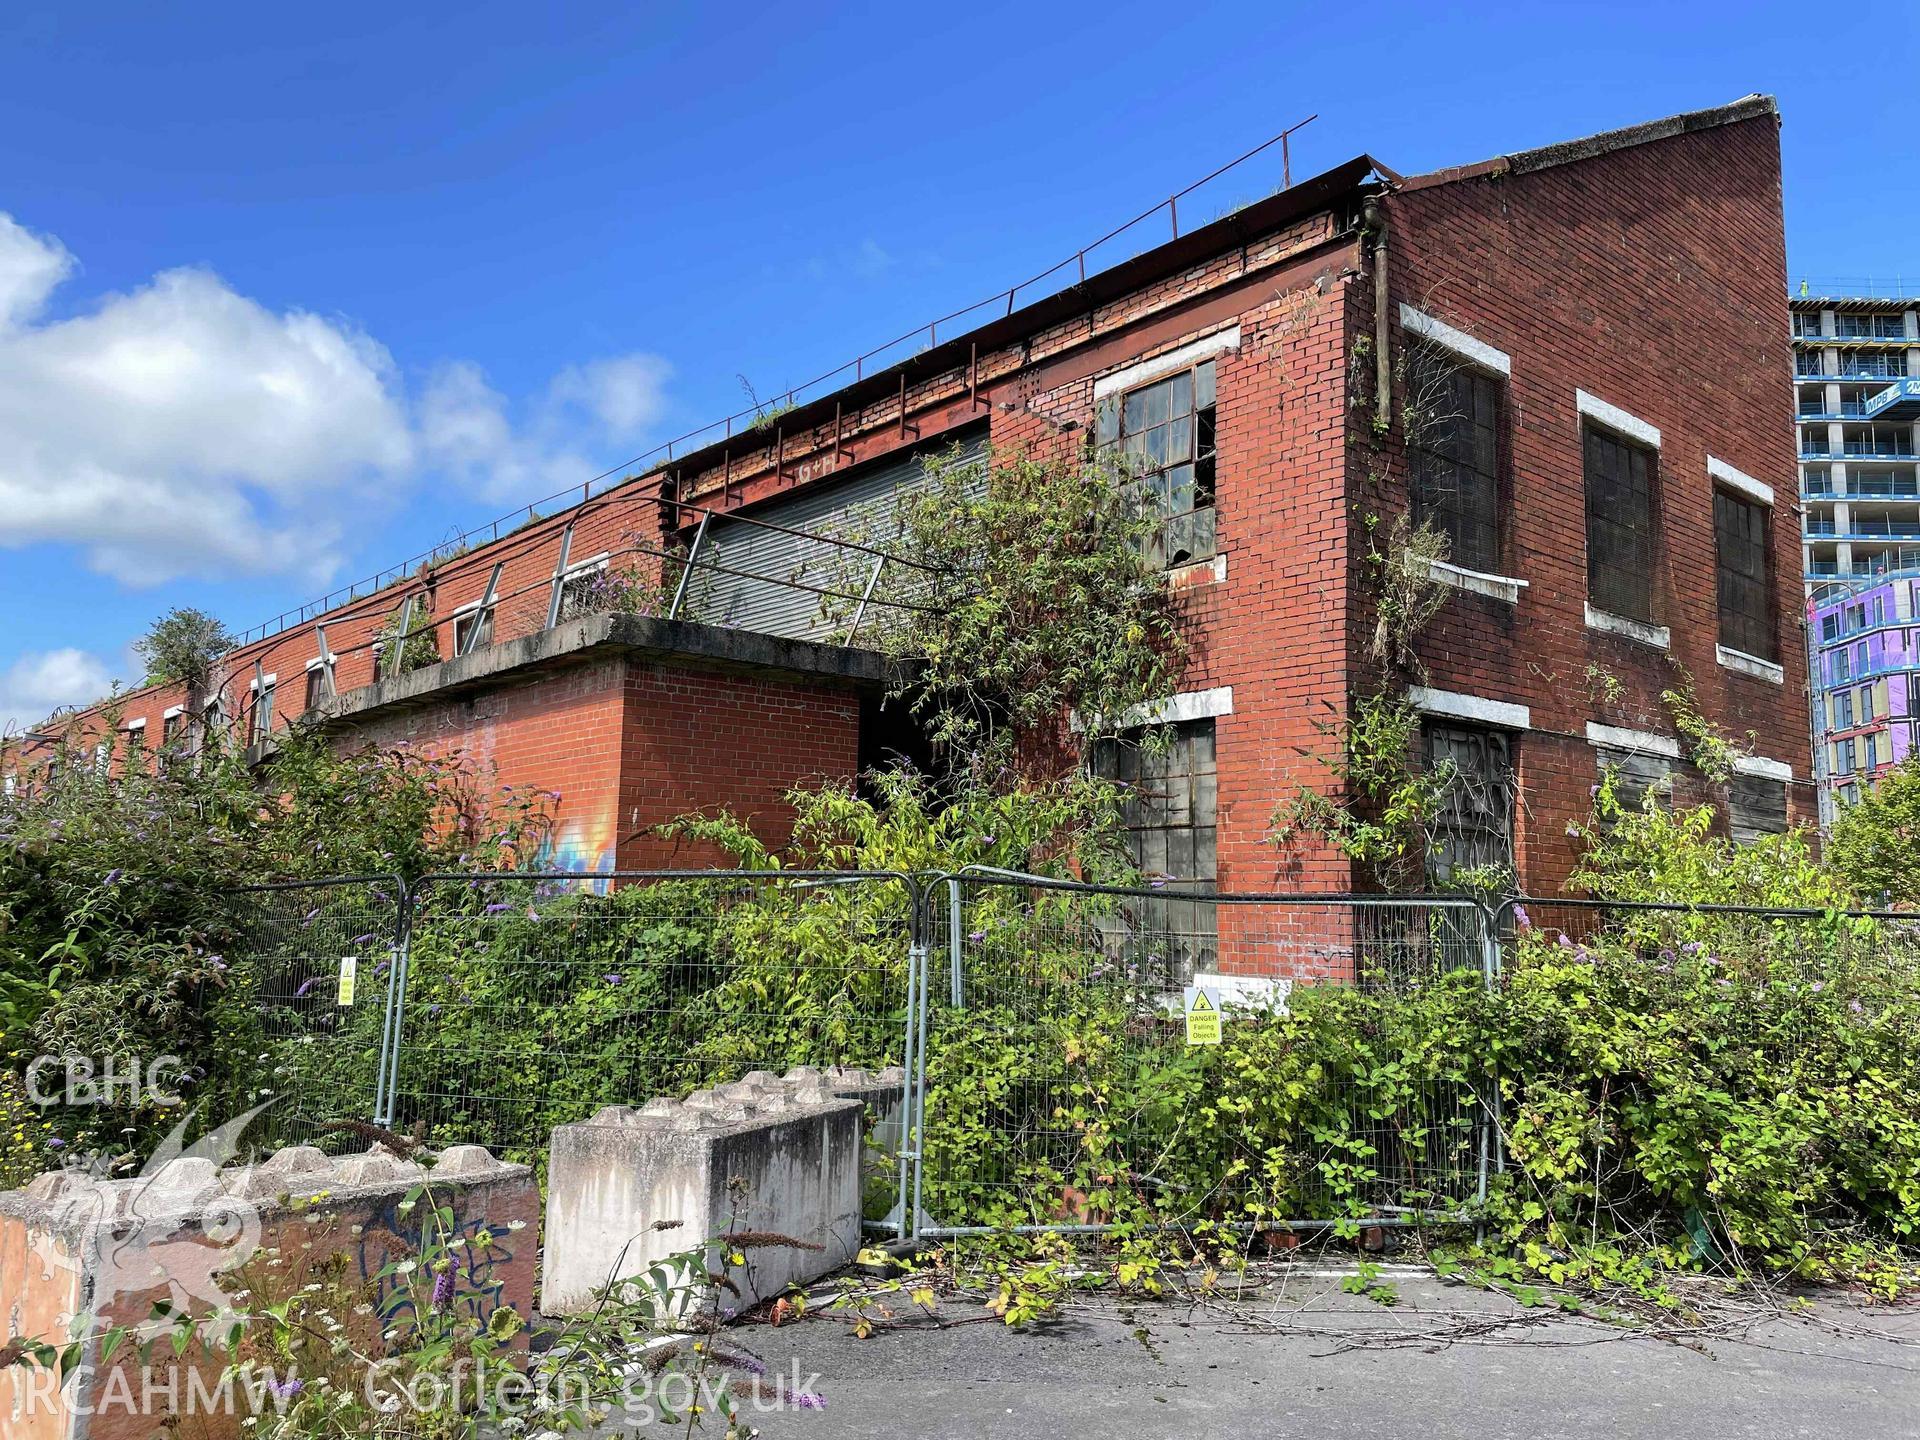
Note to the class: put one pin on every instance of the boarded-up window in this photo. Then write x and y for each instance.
(1619, 526)
(1745, 578)
(1636, 773)
(1165, 430)
(1756, 806)
(1170, 817)
(1474, 828)
(1454, 462)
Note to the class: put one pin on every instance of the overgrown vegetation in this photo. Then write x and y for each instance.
(118, 915)
(181, 647)
(1033, 614)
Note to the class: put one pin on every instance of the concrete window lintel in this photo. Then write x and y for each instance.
(1474, 351)
(1455, 705)
(1621, 422)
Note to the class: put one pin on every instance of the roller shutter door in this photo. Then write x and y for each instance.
(749, 577)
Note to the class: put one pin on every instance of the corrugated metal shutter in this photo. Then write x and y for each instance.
(765, 570)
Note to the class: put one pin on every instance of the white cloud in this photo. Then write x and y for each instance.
(185, 429)
(30, 267)
(625, 393)
(467, 428)
(39, 683)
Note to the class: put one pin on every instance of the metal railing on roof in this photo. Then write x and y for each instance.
(1071, 270)
(1855, 287)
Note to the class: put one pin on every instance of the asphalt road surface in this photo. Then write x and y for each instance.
(1304, 1359)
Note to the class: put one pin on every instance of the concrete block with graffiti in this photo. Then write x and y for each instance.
(77, 1246)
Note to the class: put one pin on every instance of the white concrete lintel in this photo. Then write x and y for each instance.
(1605, 621)
(1189, 354)
(1744, 664)
(1616, 737)
(1613, 418)
(1475, 352)
(1739, 481)
(173, 710)
(1191, 705)
(1763, 767)
(139, 724)
(1457, 706)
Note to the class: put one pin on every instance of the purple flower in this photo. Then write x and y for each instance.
(360, 939)
(1563, 942)
(1818, 986)
(1158, 882)
(286, 1389)
(311, 916)
(986, 839)
(56, 1143)
(306, 986)
(1856, 1007)
(498, 908)
(976, 937)
(1521, 918)
(443, 1288)
(614, 979)
(113, 877)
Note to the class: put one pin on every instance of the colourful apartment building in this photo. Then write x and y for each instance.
(1608, 321)
(1866, 654)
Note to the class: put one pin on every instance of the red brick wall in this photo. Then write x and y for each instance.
(1654, 278)
(695, 741)
(558, 731)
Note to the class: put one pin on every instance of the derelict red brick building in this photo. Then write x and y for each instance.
(1605, 323)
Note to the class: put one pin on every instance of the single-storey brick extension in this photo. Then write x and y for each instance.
(1608, 322)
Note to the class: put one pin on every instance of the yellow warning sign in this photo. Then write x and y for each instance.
(1203, 1016)
(349, 966)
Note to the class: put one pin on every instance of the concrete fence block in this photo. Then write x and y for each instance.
(764, 1154)
(74, 1244)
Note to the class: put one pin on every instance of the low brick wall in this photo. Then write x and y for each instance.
(74, 1245)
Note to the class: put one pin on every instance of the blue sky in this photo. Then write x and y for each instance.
(289, 294)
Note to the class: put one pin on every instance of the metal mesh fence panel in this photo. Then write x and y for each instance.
(531, 1001)
(312, 971)
(1061, 1088)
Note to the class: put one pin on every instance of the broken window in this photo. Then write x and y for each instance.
(1745, 577)
(472, 628)
(1619, 526)
(1165, 432)
(584, 590)
(319, 683)
(1170, 825)
(1474, 827)
(1454, 456)
(262, 713)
